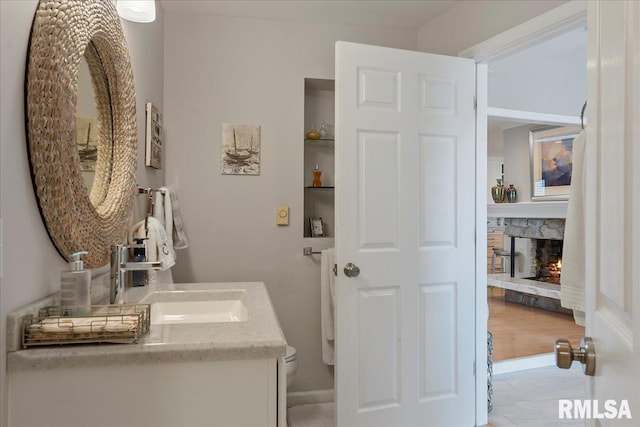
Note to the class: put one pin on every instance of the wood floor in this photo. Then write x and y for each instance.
(520, 331)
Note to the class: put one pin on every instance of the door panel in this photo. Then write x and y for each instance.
(437, 166)
(612, 218)
(405, 211)
(437, 319)
(379, 384)
(378, 189)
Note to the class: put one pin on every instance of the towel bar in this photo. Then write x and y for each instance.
(309, 251)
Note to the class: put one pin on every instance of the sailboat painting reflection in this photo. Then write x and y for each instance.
(240, 149)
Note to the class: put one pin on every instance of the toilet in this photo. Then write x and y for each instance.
(291, 364)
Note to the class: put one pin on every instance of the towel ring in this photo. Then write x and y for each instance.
(584, 107)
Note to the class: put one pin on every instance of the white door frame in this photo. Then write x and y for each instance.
(568, 17)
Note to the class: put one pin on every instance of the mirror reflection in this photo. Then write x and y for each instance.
(94, 137)
(87, 125)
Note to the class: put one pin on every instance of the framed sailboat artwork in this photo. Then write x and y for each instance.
(240, 149)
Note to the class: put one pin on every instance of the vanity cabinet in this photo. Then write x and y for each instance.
(213, 393)
(319, 200)
(213, 373)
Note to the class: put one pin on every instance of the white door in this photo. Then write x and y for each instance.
(405, 216)
(613, 204)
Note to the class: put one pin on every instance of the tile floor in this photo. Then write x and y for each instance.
(523, 399)
(530, 398)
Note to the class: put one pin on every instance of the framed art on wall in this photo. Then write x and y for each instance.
(240, 149)
(154, 137)
(551, 161)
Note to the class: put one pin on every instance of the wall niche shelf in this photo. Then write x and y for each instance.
(319, 106)
(321, 142)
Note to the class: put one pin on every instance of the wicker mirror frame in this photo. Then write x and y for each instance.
(61, 33)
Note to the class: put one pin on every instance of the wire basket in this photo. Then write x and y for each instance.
(86, 324)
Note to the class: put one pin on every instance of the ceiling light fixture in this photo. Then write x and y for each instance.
(143, 11)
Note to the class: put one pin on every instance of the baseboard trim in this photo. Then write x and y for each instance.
(524, 363)
(308, 397)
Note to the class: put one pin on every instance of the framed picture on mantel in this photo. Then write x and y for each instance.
(551, 161)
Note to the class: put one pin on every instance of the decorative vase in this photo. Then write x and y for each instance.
(312, 134)
(512, 194)
(316, 177)
(498, 192)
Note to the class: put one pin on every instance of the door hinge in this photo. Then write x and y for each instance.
(475, 102)
(335, 269)
(474, 367)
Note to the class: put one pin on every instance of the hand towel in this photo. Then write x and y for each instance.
(163, 212)
(327, 305)
(179, 236)
(572, 279)
(157, 242)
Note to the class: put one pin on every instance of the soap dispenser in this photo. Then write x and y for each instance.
(75, 286)
(139, 277)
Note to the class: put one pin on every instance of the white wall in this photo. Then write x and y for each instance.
(517, 169)
(31, 264)
(471, 22)
(495, 143)
(550, 77)
(235, 70)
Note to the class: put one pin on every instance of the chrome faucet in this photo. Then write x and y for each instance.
(119, 268)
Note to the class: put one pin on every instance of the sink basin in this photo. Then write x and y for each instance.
(182, 307)
(198, 312)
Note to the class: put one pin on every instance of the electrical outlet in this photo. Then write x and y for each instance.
(282, 215)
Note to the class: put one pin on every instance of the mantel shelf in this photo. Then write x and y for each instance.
(527, 117)
(555, 209)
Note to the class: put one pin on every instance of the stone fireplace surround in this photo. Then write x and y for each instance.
(534, 229)
(521, 288)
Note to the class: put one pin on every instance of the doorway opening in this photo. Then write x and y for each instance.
(531, 85)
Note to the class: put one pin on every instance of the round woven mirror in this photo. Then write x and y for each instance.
(62, 34)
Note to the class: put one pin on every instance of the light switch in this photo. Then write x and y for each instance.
(282, 215)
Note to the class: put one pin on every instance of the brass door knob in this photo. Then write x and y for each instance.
(586, 354)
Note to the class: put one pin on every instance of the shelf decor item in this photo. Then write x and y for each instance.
(512, 194)
(312, 134)
(316, 227)
(326, 130)
(498, 192)
(316, 177)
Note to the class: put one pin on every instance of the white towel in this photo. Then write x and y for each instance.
(327, 305)
(163, 212)
(573, 256)
(175, 229)
(157, 242)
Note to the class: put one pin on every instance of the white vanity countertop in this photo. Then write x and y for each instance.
(260, 337)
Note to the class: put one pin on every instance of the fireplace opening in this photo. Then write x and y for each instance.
(548, 260)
